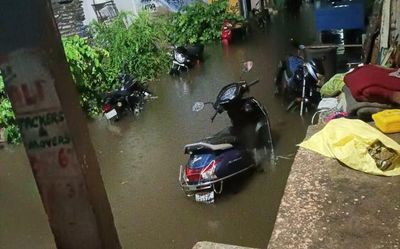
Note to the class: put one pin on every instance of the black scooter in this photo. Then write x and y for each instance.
(185, 57)
(129, 97)
(232, 151)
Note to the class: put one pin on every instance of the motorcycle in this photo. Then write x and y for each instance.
(298, 81)
(226, 32)
(261, 15)
(185, 57)
(231, 151)
(231, 31)
(130, 96)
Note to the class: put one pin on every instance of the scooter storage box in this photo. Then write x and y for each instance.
(387, 121)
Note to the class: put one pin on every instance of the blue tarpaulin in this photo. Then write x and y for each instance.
(342, 15)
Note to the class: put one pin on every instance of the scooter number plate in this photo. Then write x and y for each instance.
(111, 114)
(205, 197)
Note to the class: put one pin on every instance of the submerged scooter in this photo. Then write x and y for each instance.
(185, 57)
(233, 150)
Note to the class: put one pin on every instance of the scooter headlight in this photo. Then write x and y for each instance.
(179, 57)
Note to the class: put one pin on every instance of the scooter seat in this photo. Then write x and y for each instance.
(203, 145)
(220, 141)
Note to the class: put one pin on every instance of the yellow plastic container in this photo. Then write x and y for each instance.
(387, 121)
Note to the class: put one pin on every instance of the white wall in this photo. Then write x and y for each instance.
(88, 11)
(130, 6)
(122, 5)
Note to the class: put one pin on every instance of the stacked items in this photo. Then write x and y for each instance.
(366, 90)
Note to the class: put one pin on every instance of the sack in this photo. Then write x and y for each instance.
(358, 145)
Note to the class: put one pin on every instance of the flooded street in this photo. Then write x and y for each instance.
(140, 158)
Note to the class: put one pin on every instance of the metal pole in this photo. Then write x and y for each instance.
(335, 46)
(303, 92)
(41, 90)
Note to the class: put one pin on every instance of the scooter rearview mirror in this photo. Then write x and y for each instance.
(247, 66)
(198, 106)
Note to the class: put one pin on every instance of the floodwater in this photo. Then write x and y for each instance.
(140, 158)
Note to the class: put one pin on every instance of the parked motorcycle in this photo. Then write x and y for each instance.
(185, 57)
(226, 32)
(232, 30)
(129, 97)
(231, 151)
(261, 15)
(297, 80)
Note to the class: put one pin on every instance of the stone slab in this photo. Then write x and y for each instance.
(328, 205)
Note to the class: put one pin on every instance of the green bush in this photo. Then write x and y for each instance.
(200, 22)
(7, 117)
(87, 71)
(137, 45)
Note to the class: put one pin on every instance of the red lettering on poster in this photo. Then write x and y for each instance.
(63, 158)
(33, 95)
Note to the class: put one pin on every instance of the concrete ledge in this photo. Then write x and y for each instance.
(328, 205)
(212, 245)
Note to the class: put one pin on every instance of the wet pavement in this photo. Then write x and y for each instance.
(140, 158)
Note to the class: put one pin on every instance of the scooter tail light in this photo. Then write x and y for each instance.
(192, 175)
(106, 107)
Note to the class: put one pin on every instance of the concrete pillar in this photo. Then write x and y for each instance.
(54, 131)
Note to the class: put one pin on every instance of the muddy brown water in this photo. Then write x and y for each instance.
(140, 158)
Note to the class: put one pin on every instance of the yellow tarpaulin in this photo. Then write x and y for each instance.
(348, 141)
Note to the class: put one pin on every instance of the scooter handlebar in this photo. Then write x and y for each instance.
(253, 83)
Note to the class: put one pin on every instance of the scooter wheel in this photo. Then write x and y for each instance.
(258, 161)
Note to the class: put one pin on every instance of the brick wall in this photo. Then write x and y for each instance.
(69, 16)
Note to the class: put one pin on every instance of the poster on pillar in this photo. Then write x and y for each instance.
(39, 114)
(157, 6)
(48, 144)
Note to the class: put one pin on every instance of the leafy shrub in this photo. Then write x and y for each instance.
(137, 45)
(87, 71)
(200, 22)
(7, 117)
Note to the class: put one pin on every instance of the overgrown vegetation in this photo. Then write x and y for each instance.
(88, 73)
(136, 45)
(199, 22)
(7, 117)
